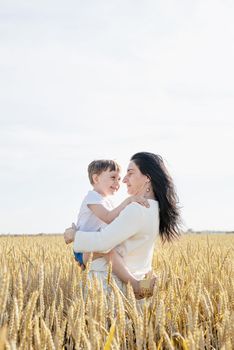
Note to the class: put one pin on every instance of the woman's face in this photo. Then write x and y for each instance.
(136, 182)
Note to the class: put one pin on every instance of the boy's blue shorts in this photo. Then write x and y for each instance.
(79, 257)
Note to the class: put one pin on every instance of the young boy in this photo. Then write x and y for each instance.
(97, 210)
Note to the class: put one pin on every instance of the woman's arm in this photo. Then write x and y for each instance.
(127, 224)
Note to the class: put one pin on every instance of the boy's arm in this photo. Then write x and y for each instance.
(108, 216)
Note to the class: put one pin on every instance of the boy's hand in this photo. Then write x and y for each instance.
(139, 199)
(69, 234)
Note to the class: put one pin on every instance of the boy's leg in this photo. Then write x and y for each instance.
(120, 269)
(95, 256)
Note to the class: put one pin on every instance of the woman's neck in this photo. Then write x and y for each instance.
(149, 195)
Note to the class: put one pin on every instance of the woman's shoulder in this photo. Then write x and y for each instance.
(139, 215)
(138, 211)
(133, 208)
(153, 203)
(136, 206)
(131, 215)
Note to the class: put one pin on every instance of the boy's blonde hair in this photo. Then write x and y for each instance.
(98, 166)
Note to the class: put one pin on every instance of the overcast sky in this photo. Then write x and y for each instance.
(81, 80)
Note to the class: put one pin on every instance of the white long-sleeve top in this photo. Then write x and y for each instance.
(134, 232)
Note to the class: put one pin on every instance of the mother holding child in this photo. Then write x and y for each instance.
(126, 235)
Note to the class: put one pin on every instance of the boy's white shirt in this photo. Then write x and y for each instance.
(88, 221)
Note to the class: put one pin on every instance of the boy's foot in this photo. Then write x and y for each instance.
(145, 288)
(150, 274)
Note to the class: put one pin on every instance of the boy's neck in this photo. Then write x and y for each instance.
(99, 191)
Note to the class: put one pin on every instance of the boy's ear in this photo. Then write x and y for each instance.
(95, 178)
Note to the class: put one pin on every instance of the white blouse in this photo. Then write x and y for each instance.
(134, 231)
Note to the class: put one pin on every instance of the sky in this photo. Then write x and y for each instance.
(83, 80)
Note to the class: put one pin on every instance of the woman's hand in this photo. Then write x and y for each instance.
(69, 234)
(139, 199)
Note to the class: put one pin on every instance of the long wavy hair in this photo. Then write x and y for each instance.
(153, 167)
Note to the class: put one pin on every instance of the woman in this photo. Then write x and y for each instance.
(134, 231)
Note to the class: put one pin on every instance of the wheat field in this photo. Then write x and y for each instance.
(47, 302)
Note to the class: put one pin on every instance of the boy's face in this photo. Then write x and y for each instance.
(108, 182)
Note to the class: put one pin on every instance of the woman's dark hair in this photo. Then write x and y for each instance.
(152, 166)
